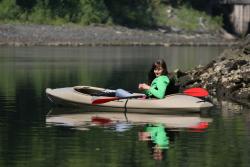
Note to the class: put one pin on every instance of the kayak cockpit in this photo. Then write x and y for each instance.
(94, 91)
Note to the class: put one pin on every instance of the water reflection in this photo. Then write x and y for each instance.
(157, 137)
(77, 118)
(157, 130)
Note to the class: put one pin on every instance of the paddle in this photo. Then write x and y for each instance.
(196, 92)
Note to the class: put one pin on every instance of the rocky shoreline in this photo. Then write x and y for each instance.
(226, 77)
(72, 35)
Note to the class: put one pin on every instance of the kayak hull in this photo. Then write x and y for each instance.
(71, 96)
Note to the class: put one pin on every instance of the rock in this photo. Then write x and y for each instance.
(225, 77)
(179, 73)
(227, 35)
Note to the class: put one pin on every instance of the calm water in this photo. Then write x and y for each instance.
(33, 133)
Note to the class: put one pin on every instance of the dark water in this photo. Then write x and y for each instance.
(33, 133)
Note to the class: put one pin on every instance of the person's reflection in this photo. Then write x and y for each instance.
(157, 138)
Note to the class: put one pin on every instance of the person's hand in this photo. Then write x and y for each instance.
(143, 86)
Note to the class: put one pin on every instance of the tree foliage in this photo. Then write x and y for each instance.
(131, 13)
(124, 12)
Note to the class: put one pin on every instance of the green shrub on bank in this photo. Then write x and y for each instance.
(9, 10)
(92, 11)
(131, 13)
(54, 11)
(189, 19)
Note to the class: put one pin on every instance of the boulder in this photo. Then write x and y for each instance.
(227, 76)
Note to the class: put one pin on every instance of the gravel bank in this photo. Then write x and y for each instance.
(28, 35)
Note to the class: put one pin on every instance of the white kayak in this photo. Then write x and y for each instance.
(80, 96)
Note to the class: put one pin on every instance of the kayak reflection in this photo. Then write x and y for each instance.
(158, 130)
(120, 122)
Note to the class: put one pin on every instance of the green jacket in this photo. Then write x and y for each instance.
(158, 87)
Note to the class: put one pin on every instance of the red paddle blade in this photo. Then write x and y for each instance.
(197, 92)
(104, 100)
(200, 127)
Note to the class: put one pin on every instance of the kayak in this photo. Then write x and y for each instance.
(68, 118)
(80, 96)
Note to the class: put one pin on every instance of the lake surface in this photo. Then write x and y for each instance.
(34, 133)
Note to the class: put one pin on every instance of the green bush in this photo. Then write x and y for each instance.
(187, 18)
(92, 11)
(132, 13)
(9, 10)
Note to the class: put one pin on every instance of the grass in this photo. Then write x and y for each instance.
(188, 19)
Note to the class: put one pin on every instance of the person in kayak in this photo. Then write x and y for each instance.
(157, 79)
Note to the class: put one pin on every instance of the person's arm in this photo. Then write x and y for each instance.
(158, 89)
